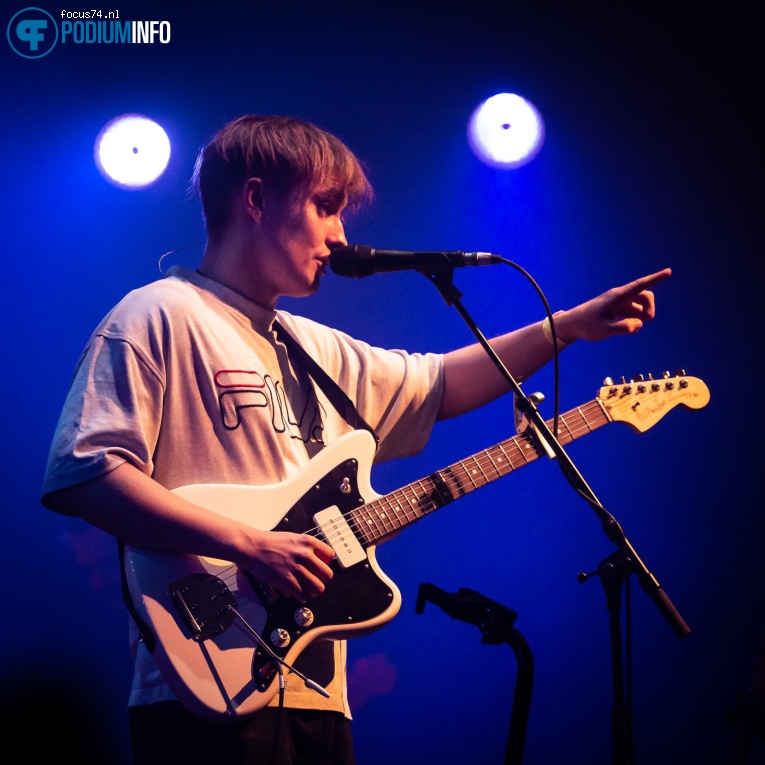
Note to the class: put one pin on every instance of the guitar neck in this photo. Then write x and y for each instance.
(392, 512)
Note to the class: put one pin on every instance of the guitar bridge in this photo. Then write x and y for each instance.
(205, 604)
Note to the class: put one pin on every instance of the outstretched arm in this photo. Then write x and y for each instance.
(471, 379)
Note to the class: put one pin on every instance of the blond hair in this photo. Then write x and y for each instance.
(287, 154)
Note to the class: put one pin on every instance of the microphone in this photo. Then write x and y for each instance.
(358, 261)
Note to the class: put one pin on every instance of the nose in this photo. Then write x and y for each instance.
(336, 236)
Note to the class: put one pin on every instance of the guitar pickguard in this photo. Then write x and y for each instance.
(353, 596)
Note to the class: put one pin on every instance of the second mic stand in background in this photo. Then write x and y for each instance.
(616, 569)
(497, 624)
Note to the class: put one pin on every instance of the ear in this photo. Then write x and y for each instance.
(253, 196)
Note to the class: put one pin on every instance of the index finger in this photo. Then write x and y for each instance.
(645, 282)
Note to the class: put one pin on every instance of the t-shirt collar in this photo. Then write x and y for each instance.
(260, 316)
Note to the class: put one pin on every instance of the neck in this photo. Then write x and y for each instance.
(232, 268)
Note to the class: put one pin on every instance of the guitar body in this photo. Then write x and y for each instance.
(224, 674)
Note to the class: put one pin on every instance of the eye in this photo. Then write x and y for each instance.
(323, 207)
(329, 204)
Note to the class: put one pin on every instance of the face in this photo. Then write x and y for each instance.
(298, 235)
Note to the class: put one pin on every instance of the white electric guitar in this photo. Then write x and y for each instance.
(221, 634)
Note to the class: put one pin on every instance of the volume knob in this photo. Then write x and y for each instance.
(304, 617)
(280, 638)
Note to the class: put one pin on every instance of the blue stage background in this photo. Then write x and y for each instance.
(653, 158)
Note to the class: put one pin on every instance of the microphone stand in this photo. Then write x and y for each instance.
(614, 570)
(497, 624)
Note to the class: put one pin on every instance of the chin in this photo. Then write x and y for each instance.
(306, 290)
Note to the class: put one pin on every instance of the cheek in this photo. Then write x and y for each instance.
(315, 229)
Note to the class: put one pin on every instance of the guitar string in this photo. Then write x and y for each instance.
(453, 477)
(379, 522)
(420, 503)
(576, 423)
(492, 463)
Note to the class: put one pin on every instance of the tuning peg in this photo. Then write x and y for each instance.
(638, 380)
(608, 381)
(680, 373)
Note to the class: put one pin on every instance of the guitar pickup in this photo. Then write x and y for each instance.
(204, 602)
(338, 535)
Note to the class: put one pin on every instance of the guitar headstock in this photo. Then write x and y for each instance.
(642, 402)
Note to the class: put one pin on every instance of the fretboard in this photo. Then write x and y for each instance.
(392, 512)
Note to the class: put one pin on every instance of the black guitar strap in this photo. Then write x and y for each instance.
(332, 390)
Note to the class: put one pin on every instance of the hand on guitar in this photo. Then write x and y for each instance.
(297, 565)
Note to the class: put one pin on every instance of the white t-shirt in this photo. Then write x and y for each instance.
(185, 379)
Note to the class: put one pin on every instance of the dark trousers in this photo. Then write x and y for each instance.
(167, 732)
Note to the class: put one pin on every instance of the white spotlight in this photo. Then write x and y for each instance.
(506, 131)
(132, 151)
